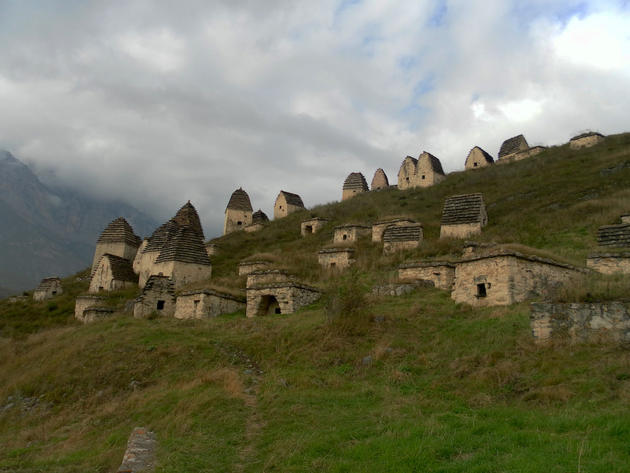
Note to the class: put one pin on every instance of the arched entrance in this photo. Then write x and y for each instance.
(268, 305)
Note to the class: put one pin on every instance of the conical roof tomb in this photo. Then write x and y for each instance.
(238, 213)
(187, 216)
(117, 239)
(354, 184)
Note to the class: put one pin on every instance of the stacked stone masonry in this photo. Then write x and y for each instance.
(379, 181)
(112, 273)
(238, 213)
(586, 140)
(609, 263)
(508, 277)
(206, 303)
(440, 273)
(279, 298)
(117, 239)
(402, 237)
(313, 225)
(614, 235)
(350, 233)
(83, 303)
(478, 158)
(265, 277)
(287, 203)
(247, 267)
(354, 184)
(379, 227)
(259, 219)
(581, 322)
(48, 288)
(513, 145)
(463, 215)
(625, 218)
(158, 297)
(94, 314)
(422, 172)
(336, 259)
(140, 455)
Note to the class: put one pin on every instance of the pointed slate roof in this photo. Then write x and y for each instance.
(160, 236)
(48, 283)
(119, 231)
(461, 209)
(614, 235)
(187, 216)
(122, 269)
(239, 201)
(434, 162)
(489, 159)
(379, 181)
(513, 145)
(355, 180)
(292, 199)
(184, 246)
(585, 135)
(259, 217)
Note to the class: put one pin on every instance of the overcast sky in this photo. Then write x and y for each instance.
(157, 102)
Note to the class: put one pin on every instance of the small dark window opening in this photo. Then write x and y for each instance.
(54, 293)
(332, 265)
(475, 164)
(309, 229)
(407, 179)
(277, 311)
(423, 176)
(100, 288)
(160, 305)
(345, 237)
(239, 223)
(481, 290)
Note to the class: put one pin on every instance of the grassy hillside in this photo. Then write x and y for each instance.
(354, 382)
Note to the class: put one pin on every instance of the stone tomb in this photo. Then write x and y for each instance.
(158, 297)
(350, 233)
(507, 277)
(617, 236)
(463, 215)
(48, 288)
(478, 158)
(422, 172)
(238, 213)
(112, 273)
(246, 267)
(402, 237)
(206, 303)
(440, 273)
(516, 148)
(379, 181)
(379, 227)
(354, 184)
(87, 303)
(609, 263)
(313, 225)
(336, 259)
(287, 203)
(117, 239)
(274, 292)
(259, 220)
(586, 140)
(581, 322)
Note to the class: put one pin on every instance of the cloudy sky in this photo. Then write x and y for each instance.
(157, 102)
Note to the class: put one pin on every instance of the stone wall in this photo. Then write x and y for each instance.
(264, 277)
(477, 158)
(140, 454)
(625, 218)
(93, 314)
(407, 173)
(586, 141)
(402, 237)
(157, 297)
(247, 267)
(507, 278)
(279, 298)
(379, 227)
(83, 303)
(48, 288)
(609, 263)
(425, 174)
(236, 219)
(103, 278)
(143, 266)
(336, 258)
(206, 303)
(314, 225)
(581, 322)
(182, 273)
(211, 249)
(254, 227)
(462, 230)
(121, 249)
(441, 274)
(528, 153)
(350, 233)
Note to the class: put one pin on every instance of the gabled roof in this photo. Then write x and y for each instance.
(461, 209)
(489, 159)
(184, 246)
(259, 217)
(399, 233)
(586, 135)
(158, 283)
(379, 181)
(47, 283)
(409, 158)
(614, 235)
(122, 269)
(513, 145)
(119, 231)
(355, 180)
(292, 199)
(434, 162)
(239, 201)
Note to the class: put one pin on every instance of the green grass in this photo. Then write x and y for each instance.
(353, 383)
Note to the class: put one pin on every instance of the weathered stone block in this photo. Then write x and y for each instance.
(247, 267)
(609, 263)
(312, 225)
(350, 233)
(207, 303)
(440, 273)
(336, 258)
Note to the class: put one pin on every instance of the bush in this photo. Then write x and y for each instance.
(347, 306)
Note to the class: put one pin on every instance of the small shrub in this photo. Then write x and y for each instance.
(347, 306)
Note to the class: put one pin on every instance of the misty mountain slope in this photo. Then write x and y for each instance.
(47, 232)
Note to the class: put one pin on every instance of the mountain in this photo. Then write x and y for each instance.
(48, 232)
